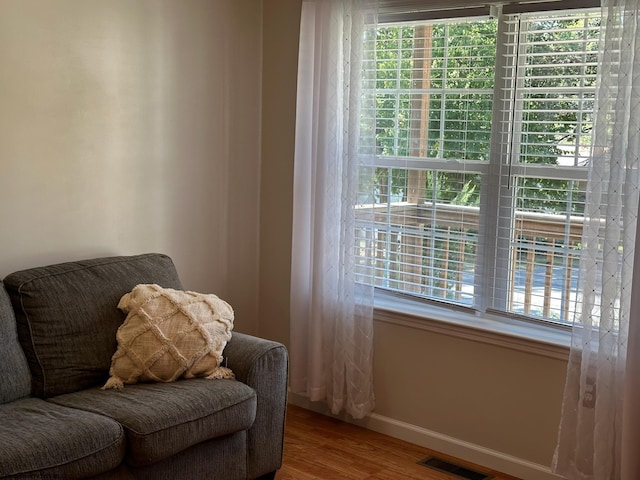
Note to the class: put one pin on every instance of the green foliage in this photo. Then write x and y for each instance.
(394, 64)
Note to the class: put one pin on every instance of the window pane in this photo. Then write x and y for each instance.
(556, 87)
(434, 89)
(545, 247)
(427, 248)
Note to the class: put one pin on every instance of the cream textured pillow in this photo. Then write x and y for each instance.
(168, 334)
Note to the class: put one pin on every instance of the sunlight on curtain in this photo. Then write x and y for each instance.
(591, 428)
(331, 313)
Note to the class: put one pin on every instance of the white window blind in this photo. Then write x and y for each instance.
(483, 131)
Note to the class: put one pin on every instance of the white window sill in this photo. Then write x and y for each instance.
(530, 337)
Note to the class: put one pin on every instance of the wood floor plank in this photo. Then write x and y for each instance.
(318, 447)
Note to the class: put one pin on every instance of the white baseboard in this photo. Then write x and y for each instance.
(470, 452)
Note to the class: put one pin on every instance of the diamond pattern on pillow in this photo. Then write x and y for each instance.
(170, 334)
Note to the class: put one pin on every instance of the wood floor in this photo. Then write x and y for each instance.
(318, 447)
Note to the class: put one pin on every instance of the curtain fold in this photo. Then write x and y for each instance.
(601, 402)
(331, 312)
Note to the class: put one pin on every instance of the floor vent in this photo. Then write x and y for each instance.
(453, 469)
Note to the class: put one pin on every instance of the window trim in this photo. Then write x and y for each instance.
(524, 336)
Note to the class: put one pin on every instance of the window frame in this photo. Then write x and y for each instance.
(483, 322)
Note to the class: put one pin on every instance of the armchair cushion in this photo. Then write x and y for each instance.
(67, 316)
(42, 440)
(161, 419)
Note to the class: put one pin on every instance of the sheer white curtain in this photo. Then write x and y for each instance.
(331, 313)
(599, 427)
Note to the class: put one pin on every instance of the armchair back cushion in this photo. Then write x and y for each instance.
(67, 316)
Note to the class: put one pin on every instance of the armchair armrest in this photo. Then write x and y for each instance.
(262, 365)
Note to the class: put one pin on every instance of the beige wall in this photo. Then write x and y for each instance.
(129, 126)
(280, 59)
(499, 398)
(487, 395)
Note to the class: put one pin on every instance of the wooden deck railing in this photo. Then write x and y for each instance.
(431, 250)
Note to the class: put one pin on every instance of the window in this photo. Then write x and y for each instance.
(482, 130)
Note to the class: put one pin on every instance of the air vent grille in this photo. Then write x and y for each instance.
(453, 469)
